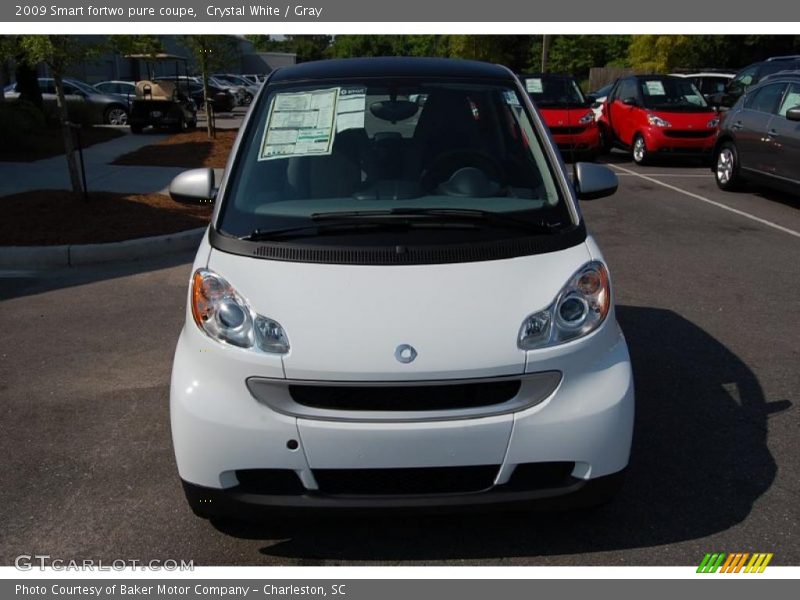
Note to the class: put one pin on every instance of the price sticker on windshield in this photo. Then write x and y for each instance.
(654, 88)
(534, 85)
(300, 124)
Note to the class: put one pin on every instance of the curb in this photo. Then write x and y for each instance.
(73, 255)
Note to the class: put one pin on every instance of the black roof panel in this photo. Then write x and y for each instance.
(394, 66)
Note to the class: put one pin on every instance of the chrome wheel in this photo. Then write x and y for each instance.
(639, 149)
(117, 116)
(725, 165)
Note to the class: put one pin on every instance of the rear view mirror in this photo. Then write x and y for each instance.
(630, 101)
(193, 187)
(793, 114)
(394, 110)
(594, 181)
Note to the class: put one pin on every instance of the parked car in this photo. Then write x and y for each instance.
(651, 115)
(223, 100)
(126, 89)
(255, 79)
(98, 108)
(709, 83)
(248, 89)
(238, 91)
(567, 113)
(759, 138)
(414, 383)
(751, 75)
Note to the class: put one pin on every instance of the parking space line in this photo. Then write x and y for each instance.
(711, 202)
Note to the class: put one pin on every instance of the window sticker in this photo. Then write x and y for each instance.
(350, 108)
(654, 88)
(299, 124)
(534, 85)
(511, 98)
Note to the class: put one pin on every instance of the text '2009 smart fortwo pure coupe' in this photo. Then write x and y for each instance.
(397, 303)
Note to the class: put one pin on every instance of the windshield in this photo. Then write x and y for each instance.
(672, 95)
(390, 147)
(554, 91)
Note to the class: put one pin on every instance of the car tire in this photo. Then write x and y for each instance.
(115, 115)
(180, 126)
(726, 167)
(605, 140)
(639, 150)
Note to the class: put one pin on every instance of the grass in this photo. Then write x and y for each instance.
(189, 150)
(47, 143)
(52, 217)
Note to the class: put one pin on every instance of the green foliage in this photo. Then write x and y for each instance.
(663, 53)
(211, 52)
(576, 54)
(135, 44)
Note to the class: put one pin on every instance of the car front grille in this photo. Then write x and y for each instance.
(689, 133)
(398, 482)
(405, 397)
(567, 130)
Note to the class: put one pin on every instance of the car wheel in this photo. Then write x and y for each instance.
(726, 167)
(180, 126)
(115, 115)
(639, 150)
(605, 140)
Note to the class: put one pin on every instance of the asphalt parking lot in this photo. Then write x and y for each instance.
(706, 286)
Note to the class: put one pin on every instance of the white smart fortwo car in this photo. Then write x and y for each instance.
(397, 304)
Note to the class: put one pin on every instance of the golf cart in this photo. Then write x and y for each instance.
(162, 99)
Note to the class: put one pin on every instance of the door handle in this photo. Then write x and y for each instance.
(737, 125)
(772, 133)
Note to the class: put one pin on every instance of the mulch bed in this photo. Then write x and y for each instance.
(52, 217)
(190, 150)
(48, 143)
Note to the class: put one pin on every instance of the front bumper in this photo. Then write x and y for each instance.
(585, 142)
(219, 428)
(667, 141)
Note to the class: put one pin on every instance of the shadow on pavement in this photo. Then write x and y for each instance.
(699, 463)
(17, 284)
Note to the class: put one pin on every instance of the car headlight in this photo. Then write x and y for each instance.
(587, 118)
(225, 316)
(580, 307)
(658, 121)
(713, 122)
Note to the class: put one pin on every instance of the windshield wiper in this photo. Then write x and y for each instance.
(446, 214)
(349, 223)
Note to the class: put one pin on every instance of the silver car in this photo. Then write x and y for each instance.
(101, 108)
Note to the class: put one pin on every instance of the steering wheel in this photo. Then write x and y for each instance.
(447, 163)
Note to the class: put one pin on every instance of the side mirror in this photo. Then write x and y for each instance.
(793, 114)
(193, 187)
(591, 99)
(630, 101)
(594, 181)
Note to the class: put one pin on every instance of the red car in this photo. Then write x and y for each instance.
(566, 112)
(652, 115)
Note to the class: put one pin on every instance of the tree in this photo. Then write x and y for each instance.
(8, 51)
(210, 52)
(306, 47)
(58, 52)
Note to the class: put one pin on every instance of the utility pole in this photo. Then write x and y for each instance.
(545, 52)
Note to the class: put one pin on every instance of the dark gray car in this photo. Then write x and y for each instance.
(83, 100)
(759, 138)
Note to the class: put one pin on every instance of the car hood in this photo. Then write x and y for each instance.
(345, 322)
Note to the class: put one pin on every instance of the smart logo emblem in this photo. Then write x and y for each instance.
(735, 562)
(405, 353)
